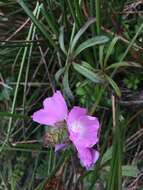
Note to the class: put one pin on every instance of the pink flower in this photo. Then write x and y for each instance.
(83, 132)
(82, 128)
(87, 156)
(55, 110)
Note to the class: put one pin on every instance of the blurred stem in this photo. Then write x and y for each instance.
(98, 24)
(32, 31)
(115, 176)
(73, 13)
(97, 101)
(93, 27)
(92, 7)
(98, 16)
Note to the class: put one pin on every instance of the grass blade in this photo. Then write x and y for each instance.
(37, 23)
(18, 83)
(114, 85)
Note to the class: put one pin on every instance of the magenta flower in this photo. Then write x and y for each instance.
(82, 128)
(87, 156)
(83, 131)
(55, 110)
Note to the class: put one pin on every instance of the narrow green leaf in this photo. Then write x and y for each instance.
(66, 84)
(61, 40)
(114, 85)
(110, 49)
(94, 77)
(91, 42)
(72, 33)
(88, 66)
(59, 73)
(81, 31)
(123, 64)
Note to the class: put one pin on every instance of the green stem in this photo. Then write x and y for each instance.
(98, 16)
(98, 24)
(98, 100)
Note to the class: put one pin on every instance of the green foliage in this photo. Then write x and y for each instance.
(50, 165)
(91, 51)
(89, 74)
(133, 82)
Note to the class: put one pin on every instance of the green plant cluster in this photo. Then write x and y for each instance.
(92, 51)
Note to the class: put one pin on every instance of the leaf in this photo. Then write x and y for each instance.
(91, 42)
(127, 170)
(66, 85)
(107, 155)
(88, 66)
(110, 49)
(80, 32)
(94, 77)
(130, 171)
(61, 40)
(59, 73)
(5, 94)
(114, 85)
(123, 64)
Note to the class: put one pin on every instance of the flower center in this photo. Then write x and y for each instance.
(76, 127)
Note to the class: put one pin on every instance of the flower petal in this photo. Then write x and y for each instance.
(88, 135)
(83, 129)
(59, 147)
(55, 110)
(75, 113)
(72, 119)
(88, 156)
(42, 117)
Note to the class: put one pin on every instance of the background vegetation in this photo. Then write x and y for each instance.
(93, 52)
